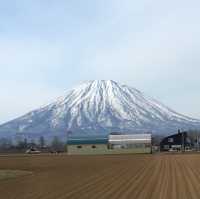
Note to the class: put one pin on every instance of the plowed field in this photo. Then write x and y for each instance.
(107, 177)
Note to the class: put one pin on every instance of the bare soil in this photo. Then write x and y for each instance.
(59, 176)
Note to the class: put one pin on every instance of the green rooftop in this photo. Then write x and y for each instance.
(87, 140)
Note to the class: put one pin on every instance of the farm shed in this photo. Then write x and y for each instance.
(130, 143)
(176, 142)
(113, 144)
(87, 145)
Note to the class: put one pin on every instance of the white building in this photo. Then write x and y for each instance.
(133, 143)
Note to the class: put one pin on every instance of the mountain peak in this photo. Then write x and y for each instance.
(100, 82)
(101, 106)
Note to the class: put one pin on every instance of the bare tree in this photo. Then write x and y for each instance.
(57, 144)
(41, 142)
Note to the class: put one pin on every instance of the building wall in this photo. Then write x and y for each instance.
(87, 149)
(130, 143)
(130, 151)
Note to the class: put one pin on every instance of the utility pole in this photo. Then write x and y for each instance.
(196, 146)
(183, 141)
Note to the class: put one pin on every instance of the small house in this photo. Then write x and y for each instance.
(176, 142)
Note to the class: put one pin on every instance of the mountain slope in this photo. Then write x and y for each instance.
(100, 107)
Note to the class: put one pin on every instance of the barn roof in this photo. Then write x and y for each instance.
(131, 138)
(87, 140)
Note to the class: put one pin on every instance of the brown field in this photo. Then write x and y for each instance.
(92, 177)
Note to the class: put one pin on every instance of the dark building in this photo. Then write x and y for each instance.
(176, 142)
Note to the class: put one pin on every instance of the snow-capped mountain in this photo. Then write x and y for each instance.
(100, 107)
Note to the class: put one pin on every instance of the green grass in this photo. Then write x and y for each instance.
(8, 174)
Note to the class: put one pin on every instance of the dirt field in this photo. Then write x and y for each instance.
(93, 177)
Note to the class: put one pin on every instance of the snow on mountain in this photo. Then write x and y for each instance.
(100, 107)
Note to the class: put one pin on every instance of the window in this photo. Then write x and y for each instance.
(93, 146)
(166, 147)
(79, 146)
(170, 140)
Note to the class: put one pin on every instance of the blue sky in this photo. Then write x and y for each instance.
(47, 47)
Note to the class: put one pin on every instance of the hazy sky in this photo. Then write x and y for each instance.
(48, 46)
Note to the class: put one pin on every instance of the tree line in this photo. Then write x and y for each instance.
(56, 144)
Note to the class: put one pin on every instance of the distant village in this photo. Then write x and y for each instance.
(114, 143)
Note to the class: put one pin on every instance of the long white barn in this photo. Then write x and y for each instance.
(130, 142)
(129, 139)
